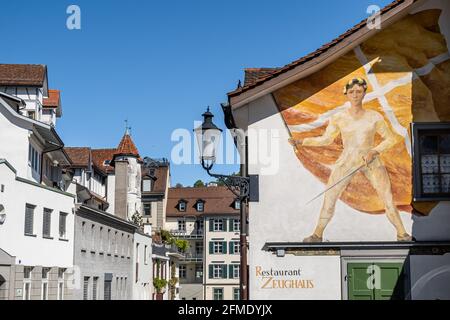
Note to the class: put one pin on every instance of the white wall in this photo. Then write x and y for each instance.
(110, 192)
(142, 286)
(34, 251)
(14, 141)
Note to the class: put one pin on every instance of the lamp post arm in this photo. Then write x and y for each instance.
(242, 184)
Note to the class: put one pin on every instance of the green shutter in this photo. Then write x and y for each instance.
(224, 247)
(224, 271)
(231, 247)
(231, 225)
(210, 271)
(211, 224)
(211, 247)
(224, 224)
(230, 271)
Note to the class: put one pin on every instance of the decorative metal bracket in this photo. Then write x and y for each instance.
(239, 186)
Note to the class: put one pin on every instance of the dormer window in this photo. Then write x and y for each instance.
(237, 204)
(182, 206)
(106, 163)
(200, 205)
(146, 185)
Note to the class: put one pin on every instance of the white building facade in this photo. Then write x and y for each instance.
(36, 198)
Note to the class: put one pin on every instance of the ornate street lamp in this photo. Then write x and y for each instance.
(208, 138)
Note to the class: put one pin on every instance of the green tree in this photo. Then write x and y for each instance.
(199, 184)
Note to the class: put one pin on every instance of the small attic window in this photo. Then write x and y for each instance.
(237, 204)
(106, 162)
(200, 205)
(182, 206)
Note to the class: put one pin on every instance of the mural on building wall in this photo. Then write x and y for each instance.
(350, 121)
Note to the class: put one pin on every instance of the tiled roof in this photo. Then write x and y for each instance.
(99, 156)
(22, 74)
(161, 179)
(253, 74)
(127, 146)
(53, 99)
(266, 76)
(78, 155)
(218, 201)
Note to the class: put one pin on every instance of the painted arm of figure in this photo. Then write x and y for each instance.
(327, 138)
(389, 137)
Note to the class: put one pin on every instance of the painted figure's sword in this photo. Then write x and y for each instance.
(335, 184)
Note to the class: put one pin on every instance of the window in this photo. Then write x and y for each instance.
(431, 161)
(237, 205)
(29, 219)
(33, 159)
(94, 288)
(234, 273)
(27, 272)
(60, 290)
(235, 247)
(45, 290)
(200, 206)
(235, 225)
(199, 271)
(145, 255)
(146, 185)
(199, 248)
(100, 240)
(182, 272)
(107, 290)
(115, 243)
(109, 240)
(218, 293)
(217, 271)
(92, 237)
(236, 294)
(182, 225)
(62, 225)
(182, 206)
(86, 288)
(61, 272)
(218, 225)
(147, 209)
(46, 224)
(218, 247)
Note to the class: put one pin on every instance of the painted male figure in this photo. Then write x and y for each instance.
(358, 127)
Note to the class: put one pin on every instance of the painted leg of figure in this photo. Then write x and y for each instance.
(329, 202)
(378, 176)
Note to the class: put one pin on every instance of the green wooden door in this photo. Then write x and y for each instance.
(375, 281)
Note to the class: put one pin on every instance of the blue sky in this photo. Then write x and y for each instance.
(160, 63)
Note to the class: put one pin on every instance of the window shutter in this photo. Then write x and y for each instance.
(231, 247)
(46, 223)
(231, 225)
(224, 271)
(224, 224)
(211, 275)
(211, 247)
(29, 213)
(224, 247)
(61, 225)
(211, 224)
(230, 271)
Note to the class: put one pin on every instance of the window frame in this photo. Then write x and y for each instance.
(220, 292)
(416, 127)
(47, 212)
(182, 271)
(218, 225)
(182, 209)
(33, 213)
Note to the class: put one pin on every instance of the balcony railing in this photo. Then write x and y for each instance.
(195, 234)
(192, 257)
